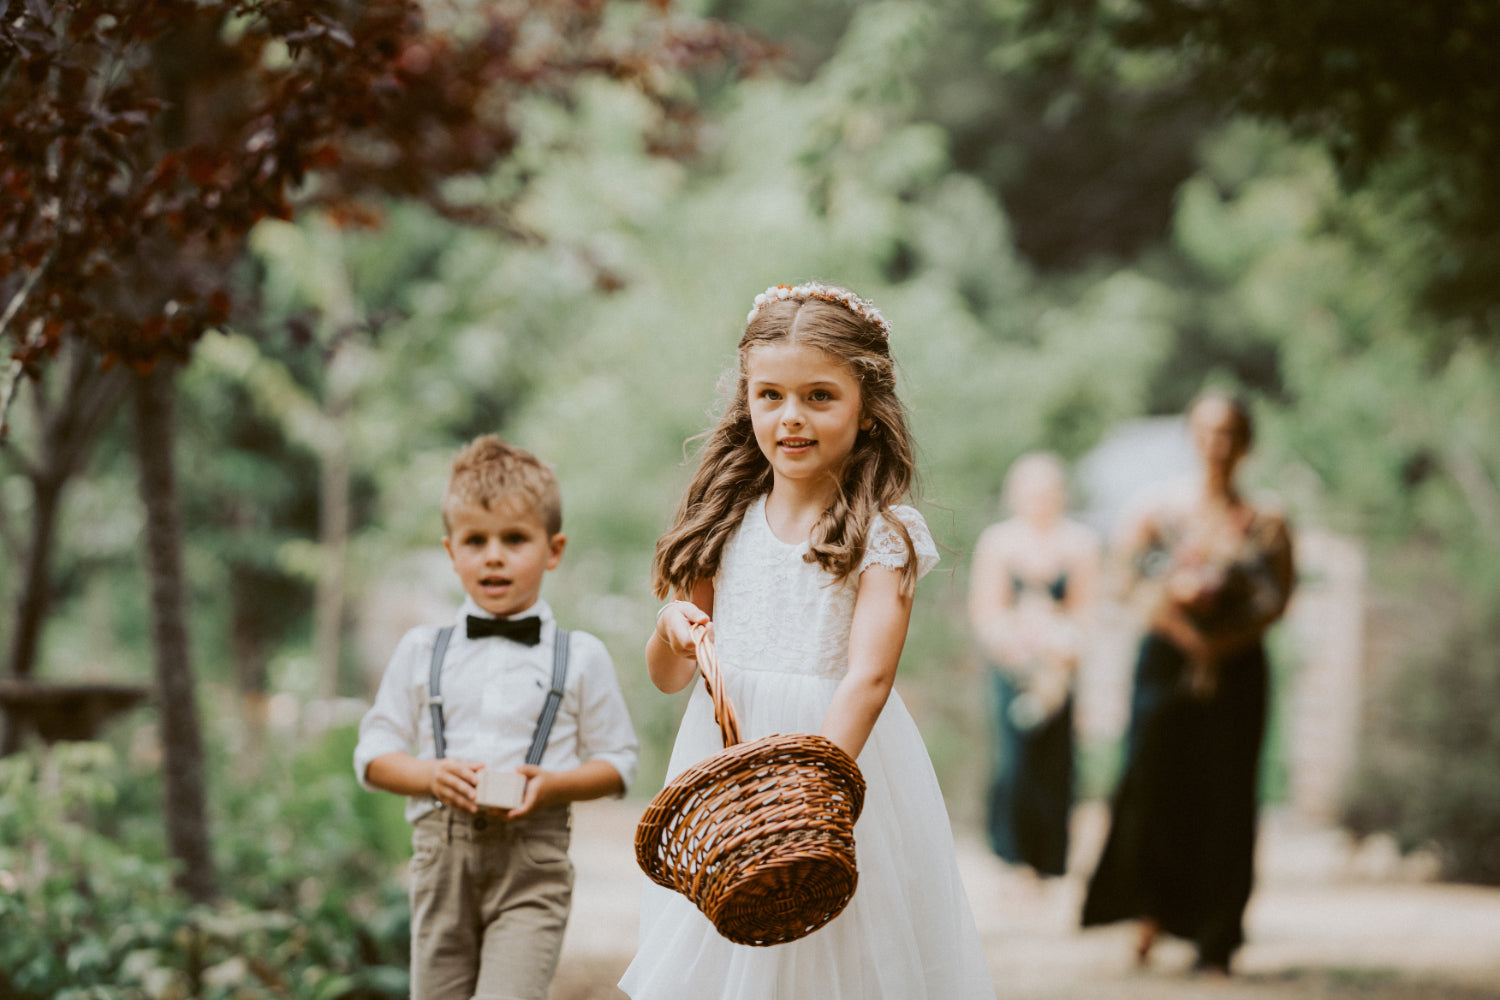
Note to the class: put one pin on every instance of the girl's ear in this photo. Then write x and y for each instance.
(866, 422)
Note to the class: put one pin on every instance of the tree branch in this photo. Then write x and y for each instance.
(91, 394)
(11, 380)
(67, 199)
(7, 395)
(8, 537)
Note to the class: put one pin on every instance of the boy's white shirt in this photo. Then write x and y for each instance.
(493, 691)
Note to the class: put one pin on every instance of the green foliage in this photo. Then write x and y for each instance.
(1402, 95)
(832, 179)
(1064, 232)
(1085, 143)
(312, 909)
(1428, 773)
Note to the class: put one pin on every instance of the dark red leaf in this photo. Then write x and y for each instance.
(33, 253)
(219, 304)
(204, 165)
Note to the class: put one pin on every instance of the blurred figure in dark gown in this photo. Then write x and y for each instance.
(1217, 570)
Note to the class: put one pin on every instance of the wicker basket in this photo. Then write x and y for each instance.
(760, 836)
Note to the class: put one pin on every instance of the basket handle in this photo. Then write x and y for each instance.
(713, 680)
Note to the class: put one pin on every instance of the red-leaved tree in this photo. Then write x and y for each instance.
(142, 140)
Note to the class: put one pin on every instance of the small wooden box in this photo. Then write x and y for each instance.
(501, 789)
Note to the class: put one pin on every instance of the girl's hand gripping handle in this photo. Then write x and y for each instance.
(672, 650)
(675, 626)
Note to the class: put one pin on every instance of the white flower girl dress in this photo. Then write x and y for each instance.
(781, 628)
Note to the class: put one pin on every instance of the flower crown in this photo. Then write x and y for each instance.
(862, 308)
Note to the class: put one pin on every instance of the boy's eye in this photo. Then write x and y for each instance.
(474, 541)
(516, 538)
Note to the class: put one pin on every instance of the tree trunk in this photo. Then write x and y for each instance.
(31, 606)
(248, 648)
(67, 430)
(336, 473)
(181, 739)
(333, 531)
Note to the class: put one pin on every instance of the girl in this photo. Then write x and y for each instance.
(793, 537)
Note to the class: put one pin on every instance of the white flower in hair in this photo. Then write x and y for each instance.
(862, 308)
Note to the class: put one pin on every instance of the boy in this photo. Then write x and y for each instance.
(491, 887)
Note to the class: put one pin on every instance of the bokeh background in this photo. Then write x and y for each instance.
(1075, 213)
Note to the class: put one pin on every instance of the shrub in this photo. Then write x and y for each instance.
(310, 909)
(1428, 774)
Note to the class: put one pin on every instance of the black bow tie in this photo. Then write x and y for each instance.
(523, 630)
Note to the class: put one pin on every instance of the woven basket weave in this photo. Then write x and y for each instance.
(760, 836)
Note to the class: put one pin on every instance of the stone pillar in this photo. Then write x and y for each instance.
(1322, 705)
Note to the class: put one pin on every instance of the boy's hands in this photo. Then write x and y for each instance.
(455, 783)
(547, 789)
(539, 792)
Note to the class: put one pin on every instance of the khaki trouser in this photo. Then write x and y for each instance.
(489, 903)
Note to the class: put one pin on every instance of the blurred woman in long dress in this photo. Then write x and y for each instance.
(1030, 588)
(1219, 571)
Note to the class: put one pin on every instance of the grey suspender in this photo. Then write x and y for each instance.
(549, 710)
(435, 687)
(554, 698)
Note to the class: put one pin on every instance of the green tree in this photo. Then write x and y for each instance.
(68, 414)
(146, 140)
(1403, 95)
(835, 178)
(1290, 285)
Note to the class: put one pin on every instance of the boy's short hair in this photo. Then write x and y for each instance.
(487, 472)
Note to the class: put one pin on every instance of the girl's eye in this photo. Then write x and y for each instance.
(821, 395)
(770, 394)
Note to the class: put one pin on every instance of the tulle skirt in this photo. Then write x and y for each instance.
(908, 933)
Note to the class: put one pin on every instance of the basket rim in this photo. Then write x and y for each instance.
(655, 831)
(839, 768)
(697, 836)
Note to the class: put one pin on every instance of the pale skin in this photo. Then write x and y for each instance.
(500, 554)
(1214, 502)
(806, 410)
(1038, 543)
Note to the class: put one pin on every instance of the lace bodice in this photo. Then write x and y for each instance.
(773, 611)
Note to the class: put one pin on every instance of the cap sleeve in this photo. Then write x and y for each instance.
(886, 547)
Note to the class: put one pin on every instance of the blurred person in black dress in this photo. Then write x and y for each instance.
(1217, 571)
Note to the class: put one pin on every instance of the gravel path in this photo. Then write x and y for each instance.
(1327, 922)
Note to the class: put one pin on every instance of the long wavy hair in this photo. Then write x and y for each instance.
(732, 472)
